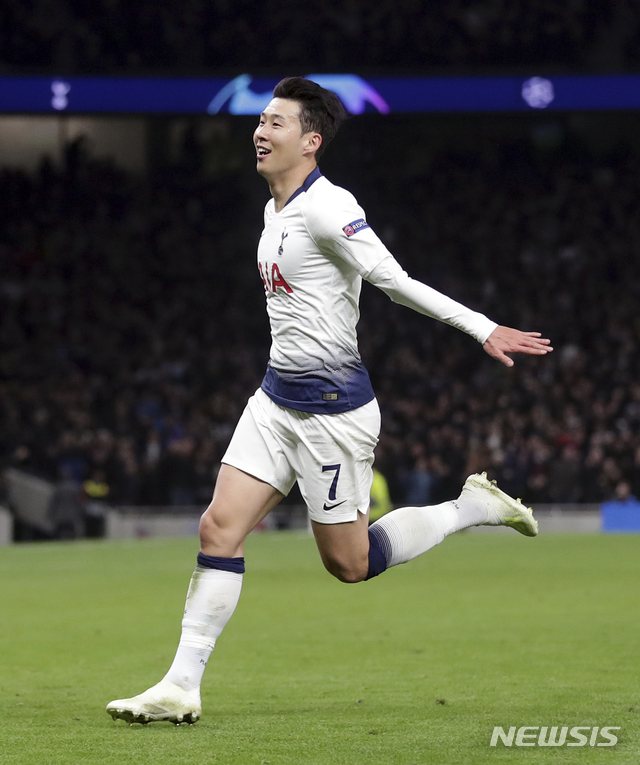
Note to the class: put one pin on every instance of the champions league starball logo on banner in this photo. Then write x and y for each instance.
(538, 93)
(236, 97)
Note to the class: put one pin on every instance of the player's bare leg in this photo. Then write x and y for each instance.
(344, 548)
(352, 552)
(239, 503)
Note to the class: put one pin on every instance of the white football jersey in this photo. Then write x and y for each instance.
(312, 257)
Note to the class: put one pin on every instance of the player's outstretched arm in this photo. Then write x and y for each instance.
(505, 340)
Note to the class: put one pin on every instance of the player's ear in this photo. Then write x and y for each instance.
(313, 141)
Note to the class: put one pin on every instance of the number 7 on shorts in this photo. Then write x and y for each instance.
(334, 483)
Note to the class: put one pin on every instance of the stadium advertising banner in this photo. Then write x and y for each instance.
(248, 95)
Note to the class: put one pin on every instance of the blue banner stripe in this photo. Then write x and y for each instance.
(248, 95)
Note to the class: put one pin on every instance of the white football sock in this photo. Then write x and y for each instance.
(211, 600)
(411, 531)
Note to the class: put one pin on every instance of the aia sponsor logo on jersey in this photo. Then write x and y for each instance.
(272, 278)
(355, 226)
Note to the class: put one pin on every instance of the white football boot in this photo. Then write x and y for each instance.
(164, 701)
(503, 509)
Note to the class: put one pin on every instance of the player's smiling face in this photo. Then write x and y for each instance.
(280, 144)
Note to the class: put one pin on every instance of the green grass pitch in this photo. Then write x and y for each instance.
(413, 668)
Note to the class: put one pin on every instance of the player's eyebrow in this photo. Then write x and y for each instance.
(275, 116)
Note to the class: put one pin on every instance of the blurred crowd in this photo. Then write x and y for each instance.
(108, 35)
(132, 326)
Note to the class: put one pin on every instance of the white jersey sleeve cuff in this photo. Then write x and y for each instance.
(401, 288)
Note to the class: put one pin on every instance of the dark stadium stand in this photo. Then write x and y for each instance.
(110, 35)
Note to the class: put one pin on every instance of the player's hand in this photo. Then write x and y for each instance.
(505, 340)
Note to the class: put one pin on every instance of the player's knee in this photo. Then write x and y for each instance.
(349, 572)
(350, 576)
(208, 529)
(215, 537)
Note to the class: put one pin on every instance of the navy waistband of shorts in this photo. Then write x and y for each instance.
(320, 393)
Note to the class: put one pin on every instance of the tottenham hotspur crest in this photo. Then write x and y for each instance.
(284, 236)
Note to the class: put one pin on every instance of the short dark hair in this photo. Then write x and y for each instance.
(321, 111)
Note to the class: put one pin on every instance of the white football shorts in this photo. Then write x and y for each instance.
(330, 455)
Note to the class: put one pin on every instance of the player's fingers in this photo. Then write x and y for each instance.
(498, 354)
(528, 338)
(527, 346)
(534, 337)
(541, 345)
(532, 351)
(505, 360)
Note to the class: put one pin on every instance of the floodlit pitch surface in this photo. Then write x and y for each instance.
(417, 666)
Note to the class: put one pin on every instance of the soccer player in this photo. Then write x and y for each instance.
(315, 419)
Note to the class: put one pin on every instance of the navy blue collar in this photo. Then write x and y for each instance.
(311, 179)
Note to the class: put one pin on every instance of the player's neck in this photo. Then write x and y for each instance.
(284, 185)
